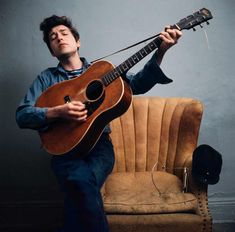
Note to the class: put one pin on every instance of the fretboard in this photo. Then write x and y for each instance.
(131, 61)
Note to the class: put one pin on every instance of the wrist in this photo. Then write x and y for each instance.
(159, 56)
(52, 113)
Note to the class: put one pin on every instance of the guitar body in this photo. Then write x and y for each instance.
(103, 102)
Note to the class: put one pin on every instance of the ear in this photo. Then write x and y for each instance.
(78, 44)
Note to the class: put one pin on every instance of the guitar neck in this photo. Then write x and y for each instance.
(133, 60)
(138, 56)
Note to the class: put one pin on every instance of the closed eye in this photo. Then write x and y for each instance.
(54, 35)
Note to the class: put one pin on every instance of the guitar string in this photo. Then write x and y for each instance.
(207, 40)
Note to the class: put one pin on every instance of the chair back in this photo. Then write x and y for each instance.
(156, 130)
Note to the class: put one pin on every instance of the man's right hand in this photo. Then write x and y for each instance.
(74, 110)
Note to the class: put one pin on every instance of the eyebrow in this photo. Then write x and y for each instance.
(61, 30)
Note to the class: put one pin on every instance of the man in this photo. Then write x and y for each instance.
(81, 178)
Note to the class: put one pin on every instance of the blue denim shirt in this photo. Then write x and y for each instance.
(29, 116)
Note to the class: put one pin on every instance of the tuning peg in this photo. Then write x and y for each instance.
(201, 25)
(207, 23)
(194, 29)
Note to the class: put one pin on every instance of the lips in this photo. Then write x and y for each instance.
(62, 44)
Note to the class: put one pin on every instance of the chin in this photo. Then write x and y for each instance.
(64, 56)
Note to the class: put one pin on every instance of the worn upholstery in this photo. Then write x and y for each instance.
(136, 193)
(148, 189)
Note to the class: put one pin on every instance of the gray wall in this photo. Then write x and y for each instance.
(201, 69)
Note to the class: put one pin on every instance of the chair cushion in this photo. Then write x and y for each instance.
(143, 192)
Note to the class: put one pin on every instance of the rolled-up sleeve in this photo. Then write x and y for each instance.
(145, 79)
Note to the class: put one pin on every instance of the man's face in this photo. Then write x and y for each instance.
(62, 42)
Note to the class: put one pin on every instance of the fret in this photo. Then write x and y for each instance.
(136, 58)
(139, 56)
(139, 52)
(107, 79)
(133, 59)
(104, 81)
(119, 70)
(148, 49)
(157, 42)
(124, 67)
(114, 74)
(151, 46)
(154, 44)
(130, 65)
(143, 52)
(146, 52)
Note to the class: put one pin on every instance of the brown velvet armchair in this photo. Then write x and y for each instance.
(151, 187)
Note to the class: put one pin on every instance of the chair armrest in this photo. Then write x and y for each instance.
(193, 186)
(200, 191)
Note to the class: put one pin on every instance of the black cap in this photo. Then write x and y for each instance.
(207, 164)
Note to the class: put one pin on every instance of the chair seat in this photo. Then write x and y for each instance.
(146, 193)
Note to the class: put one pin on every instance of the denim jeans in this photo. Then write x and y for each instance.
(81, 180)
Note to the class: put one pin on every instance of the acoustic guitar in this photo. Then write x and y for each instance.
(105, 94)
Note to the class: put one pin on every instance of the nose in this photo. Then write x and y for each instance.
(59, 37)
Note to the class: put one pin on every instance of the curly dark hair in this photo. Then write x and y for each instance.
(48, 23)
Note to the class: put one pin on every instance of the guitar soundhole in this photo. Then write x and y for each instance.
(94, 90)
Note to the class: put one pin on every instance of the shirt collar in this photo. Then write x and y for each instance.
(60, 69)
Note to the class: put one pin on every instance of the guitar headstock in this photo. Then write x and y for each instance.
(193, 20)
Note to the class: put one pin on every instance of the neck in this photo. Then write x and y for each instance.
(71, 62)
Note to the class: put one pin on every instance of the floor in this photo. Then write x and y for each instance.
(217, 227)
(224, 227)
